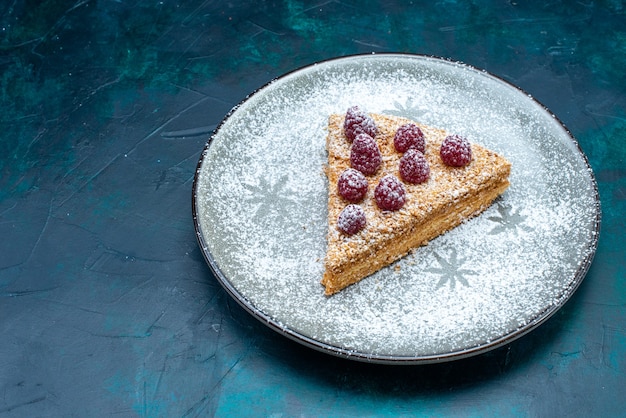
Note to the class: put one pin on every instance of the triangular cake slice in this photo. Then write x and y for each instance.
(449, 197)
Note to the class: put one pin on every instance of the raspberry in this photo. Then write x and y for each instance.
(351, 219)
(456, 151)
(413, 167)
(409, 136)
(358, 122)
(390, 193)
(352, 185)
(365, 155)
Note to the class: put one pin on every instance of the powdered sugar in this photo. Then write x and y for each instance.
(261, 207)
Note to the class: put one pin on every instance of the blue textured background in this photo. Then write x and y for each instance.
(106, 304)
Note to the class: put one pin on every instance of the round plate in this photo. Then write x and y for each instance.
(260, 196)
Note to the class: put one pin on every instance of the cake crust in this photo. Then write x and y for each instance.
(449, 197)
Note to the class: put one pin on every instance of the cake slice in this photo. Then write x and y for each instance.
(449, 196)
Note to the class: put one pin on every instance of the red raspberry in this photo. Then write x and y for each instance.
(413, 167)
(352, 185)
(409, 136)
(456, 151)
(351, 219)
(390, 193)
(365, 155)
(358, 122)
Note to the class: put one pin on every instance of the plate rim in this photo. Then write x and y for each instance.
(337, 351)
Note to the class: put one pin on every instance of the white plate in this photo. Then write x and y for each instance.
(259, 206)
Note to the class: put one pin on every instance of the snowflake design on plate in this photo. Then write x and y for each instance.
(451, 270)
(270, 198)
(409, 110)
(508, 218)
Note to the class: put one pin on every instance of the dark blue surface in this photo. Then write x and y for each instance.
(106, 304)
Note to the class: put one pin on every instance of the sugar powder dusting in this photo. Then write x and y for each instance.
(262, 194)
